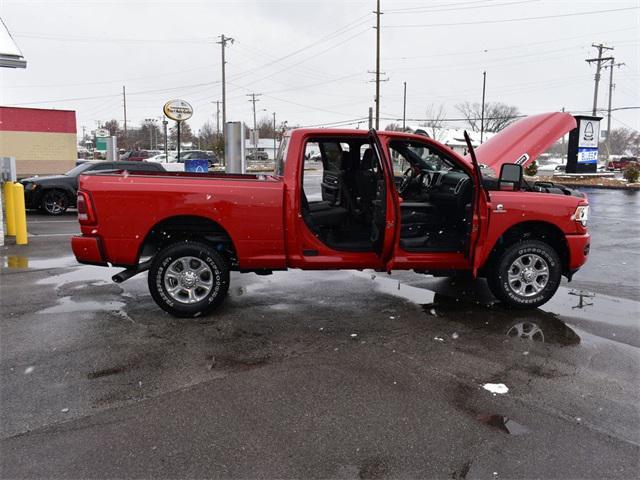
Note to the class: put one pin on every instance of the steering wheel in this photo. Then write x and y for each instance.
(407, 178)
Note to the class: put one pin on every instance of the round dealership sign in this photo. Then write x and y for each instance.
(177, 110)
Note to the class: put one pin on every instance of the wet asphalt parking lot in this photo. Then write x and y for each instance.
(321, 374)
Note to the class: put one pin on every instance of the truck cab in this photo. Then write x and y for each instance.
(371, 200)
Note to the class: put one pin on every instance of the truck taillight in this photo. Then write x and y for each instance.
(581, 215)
(85, 209)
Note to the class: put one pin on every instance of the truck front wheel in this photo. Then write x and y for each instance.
(526, 274)
(188, 279)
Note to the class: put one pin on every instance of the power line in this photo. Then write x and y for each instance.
(432, 8)
(520, 19)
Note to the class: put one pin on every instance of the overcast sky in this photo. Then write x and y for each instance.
(310, 58)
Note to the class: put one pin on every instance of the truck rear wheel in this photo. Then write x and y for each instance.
(188, 279)
(526, 274)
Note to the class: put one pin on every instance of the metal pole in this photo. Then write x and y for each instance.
(274, 136)
(377, 64)
(370, 118)
(484, 84)
(404, 107)
(178, 132)
(150, 136)
(166, 143)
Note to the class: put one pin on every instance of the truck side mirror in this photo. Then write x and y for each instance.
(510, 177)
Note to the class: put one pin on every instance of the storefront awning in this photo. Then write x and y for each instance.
(10, 54)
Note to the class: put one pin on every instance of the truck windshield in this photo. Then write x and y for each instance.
(282, 156)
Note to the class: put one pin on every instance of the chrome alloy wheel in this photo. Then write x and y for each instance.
(526, 331)
(55, 203)
(528, 275)
(188, 280)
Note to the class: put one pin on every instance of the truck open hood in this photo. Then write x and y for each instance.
(524, 140)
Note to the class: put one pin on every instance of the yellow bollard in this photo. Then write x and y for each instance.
(9, 208)
(20, 214)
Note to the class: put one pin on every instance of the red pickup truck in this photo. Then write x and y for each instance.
(375, 200)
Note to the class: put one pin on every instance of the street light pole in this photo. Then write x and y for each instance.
(404, 107)
(274, 135)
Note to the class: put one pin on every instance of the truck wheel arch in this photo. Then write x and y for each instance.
(531, 230)
(187, 227)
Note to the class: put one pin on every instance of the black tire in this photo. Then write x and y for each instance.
(526, 292)
(54, 202)
(184, 300)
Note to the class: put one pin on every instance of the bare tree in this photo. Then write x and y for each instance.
(207, 136)
(112, 126)
(435, 122)
(265, 127)
(623, 141)
(497, 115)
(186, 134)
(393, 127)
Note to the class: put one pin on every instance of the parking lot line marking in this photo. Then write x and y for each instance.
(54, 221)
(53, 234)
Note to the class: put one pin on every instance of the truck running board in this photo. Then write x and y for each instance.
(132, 271)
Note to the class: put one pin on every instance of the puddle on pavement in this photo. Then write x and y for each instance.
(467, 301)
(504, 424)
(67, 305)
(24, 262)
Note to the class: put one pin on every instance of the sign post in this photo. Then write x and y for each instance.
(582, 155)
(178, 110)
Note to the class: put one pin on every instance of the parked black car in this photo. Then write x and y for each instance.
(54, 194)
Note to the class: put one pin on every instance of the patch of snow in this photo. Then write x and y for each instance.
(496, 388)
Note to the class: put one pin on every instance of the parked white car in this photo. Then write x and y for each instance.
(168, 162)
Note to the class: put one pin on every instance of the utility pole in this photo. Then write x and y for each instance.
(370, 118)
(124, 104)
(484, 86)
(599, 60)
(611, 87)
(255, 123)
(223, 42)
(378, 13)
(83, 135)
(404, 107)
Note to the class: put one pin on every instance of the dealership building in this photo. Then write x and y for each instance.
(42, 141)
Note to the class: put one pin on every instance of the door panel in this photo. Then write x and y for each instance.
(384, 226)
(481, 205)
(331, 187)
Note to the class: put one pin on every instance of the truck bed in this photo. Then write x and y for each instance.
(130, 205)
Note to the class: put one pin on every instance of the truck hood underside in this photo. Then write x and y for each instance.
(523, 141)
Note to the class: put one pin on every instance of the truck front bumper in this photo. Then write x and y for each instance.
(88, 250)
(579, 246)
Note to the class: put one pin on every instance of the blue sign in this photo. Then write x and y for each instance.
(587, 155)
(196, 166)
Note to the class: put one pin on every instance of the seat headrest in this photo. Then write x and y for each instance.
(345, 161)
(367, 160)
